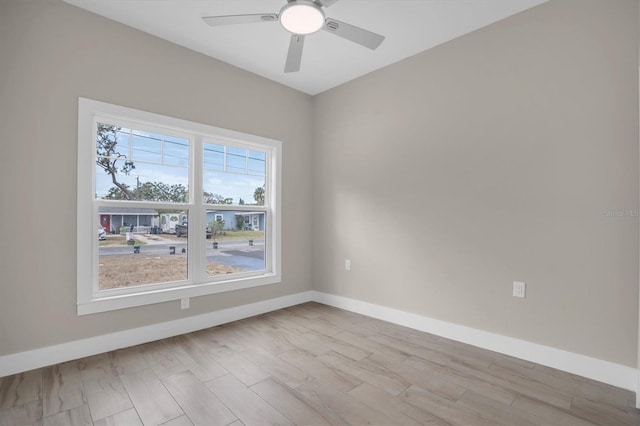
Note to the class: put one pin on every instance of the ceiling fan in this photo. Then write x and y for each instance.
(301, 18)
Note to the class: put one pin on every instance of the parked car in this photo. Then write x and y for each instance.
(182, 230)
(102, 234)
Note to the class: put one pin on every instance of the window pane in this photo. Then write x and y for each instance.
(257, 163)
(236, 160)
(176, 151)
(147, 182)
(139, 246)
(213, 157)
(237, 243)
(230, 188)
(233, 175)
(136, 165)
(146, 147)
(124, 141)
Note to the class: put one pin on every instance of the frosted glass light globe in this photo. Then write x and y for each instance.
(302, 17)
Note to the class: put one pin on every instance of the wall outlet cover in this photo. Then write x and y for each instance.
(519, 289)
(184, 303)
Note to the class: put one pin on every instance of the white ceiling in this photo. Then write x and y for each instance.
(410, 27)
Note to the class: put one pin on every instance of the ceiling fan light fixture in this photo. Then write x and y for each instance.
(302, 17)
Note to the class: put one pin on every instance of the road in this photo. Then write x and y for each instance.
(161, 249)
(238, 254)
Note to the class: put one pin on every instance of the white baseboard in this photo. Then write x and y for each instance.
(603, 371)
(638, 391)
(42, 357)
(592, 368)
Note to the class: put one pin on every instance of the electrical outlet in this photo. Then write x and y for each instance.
(519, 289)
(184, 303)
(347, 265)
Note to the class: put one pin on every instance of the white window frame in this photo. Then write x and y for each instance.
(92, 300)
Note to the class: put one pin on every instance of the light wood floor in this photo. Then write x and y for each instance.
(309, 364)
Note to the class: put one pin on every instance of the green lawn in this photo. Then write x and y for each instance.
(118, 240)
(239, 235)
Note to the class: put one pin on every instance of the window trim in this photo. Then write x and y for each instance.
(89, 299)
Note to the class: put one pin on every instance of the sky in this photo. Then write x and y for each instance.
(228, 171)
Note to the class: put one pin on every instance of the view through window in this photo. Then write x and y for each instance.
(174, 207)
(148, 245)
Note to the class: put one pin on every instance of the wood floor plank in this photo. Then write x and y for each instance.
(506, 361)
(442, 408)
(466, 378)
(425, 347)
(398, 410)
(196, 358)
(498, 413)
(375, 348)
(248, 371)
(245, 403)
(128, 360)
(339, 407)
(336, 345)
(196, 400)
(288, 402)
(161, 359)
(319, 325)
(226, 337)
(77, 416)
(104, 391)
(528, 384)
(298, 340)
(321, 372)
(276, 367)
(580, 386)
(419, 377)
(375, 326)
(367, 372)
(549, 414)
(95, 361)
(283, 320)
(26, 414)
(305, 310)
(179, 421)
(127, 417)
(450, 352)
(603, 414)
(121, 360)
(151, 399)
(61, 388)
(20, 389)
(265, 337)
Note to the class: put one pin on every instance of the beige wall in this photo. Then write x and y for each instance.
(490, 159)
(50, 54)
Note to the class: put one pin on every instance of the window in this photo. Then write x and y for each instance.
(182, 209)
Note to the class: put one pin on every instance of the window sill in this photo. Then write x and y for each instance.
(112, 303)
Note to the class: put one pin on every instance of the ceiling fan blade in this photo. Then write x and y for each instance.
(353, 33)
(215, 21)
(327, 3)
(294, 57)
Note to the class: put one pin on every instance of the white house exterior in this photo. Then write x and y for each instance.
(113, 218)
